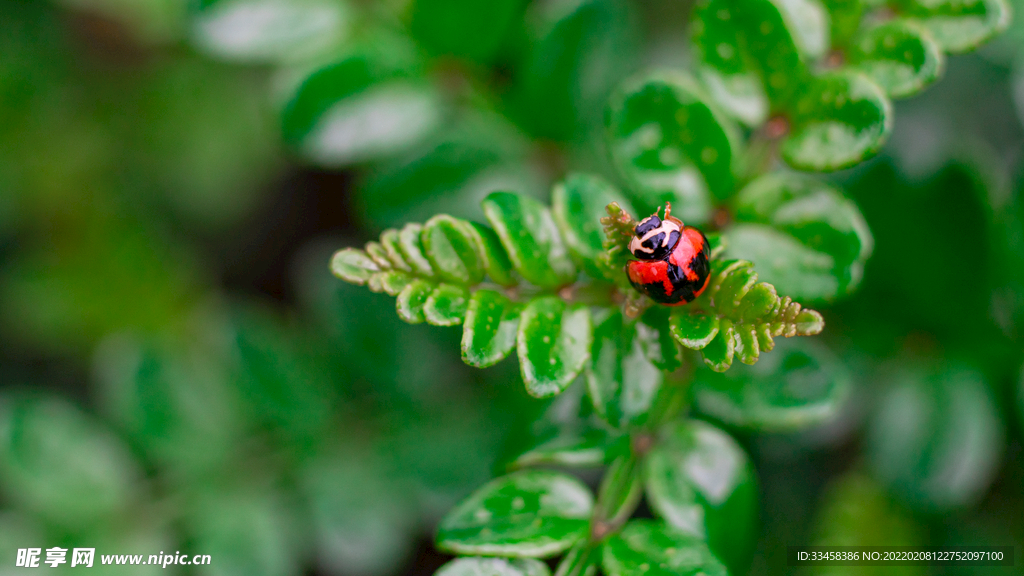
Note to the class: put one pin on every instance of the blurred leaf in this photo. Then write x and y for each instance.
(146, 21)
(621, 380)
(900, 56)
(577, 51)
(369, 103)
(802, 384)
(817, 243)
(533, 513)
(493, 567)
(578, 204)
(580, 560)
(269, 30)
(531, 238)
(110, 274)
(175, 403)
(463, 28)
(477, 153)
(771, 40)
(845, 18)
(653, 331)
(246, 531)
(700, 481)
(62, 465)
(959, 25)
(278, 374)
(856, 511)
(839, 120)
(671, 145)
(740, 316)
(553, 344)
(620, 491)
(591, 448)
(17, 530)
(654, 549)
(936, 439)
(741, 95)
(363, 523)
(491, 328)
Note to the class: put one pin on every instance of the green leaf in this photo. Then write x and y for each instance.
(389, 240)
(275, 31)
(841, 119)
(249, 531)
(845, 17)
(360, 518)
(672, 145)
(450, 245)
(371, 102)
(531, 239)
(412, 299)
(531, 513)
(476, 153)
(929, 422)
(619, 494)
(496, 262)
(494, 567)
(900, 56)
(393, 282)
(750, 315)
(553, 343)
(773, 40)
(802, 384)
(590, 449)
(856, 511)
(740, 95)
(61, 465)
(491, 328)
(446, 305)
(580, 560)
(353, 266)
(653, 331)
(175, 403)
(694, 331)
(959, 25)
(578, 204)
(654, 549)
(577, 50)
(463, 28)
(700, 481)
(811, 242)
(410, 244)
(621, 381)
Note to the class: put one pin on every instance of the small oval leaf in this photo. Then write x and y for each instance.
(621, 381)
(841, 119)
(578, 204)
(494, 567)
(447, 305)
(452, 250)
(354, 266)
(553, 343)
(900, 56)
(960, 25)
(411, 300)
(701, 482)
(531, 513)
(531, 239)
(654, 549)
(490, 330)
(693, 329)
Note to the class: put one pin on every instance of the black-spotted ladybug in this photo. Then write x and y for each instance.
(673, 263)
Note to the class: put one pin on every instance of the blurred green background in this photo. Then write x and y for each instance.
(180, 371)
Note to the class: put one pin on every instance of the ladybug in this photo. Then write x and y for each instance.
(673, 263)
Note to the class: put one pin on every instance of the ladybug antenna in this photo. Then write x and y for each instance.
(668, 210)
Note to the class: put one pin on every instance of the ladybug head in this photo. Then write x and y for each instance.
(655, 238)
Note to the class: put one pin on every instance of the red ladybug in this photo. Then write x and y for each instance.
(673, 265)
